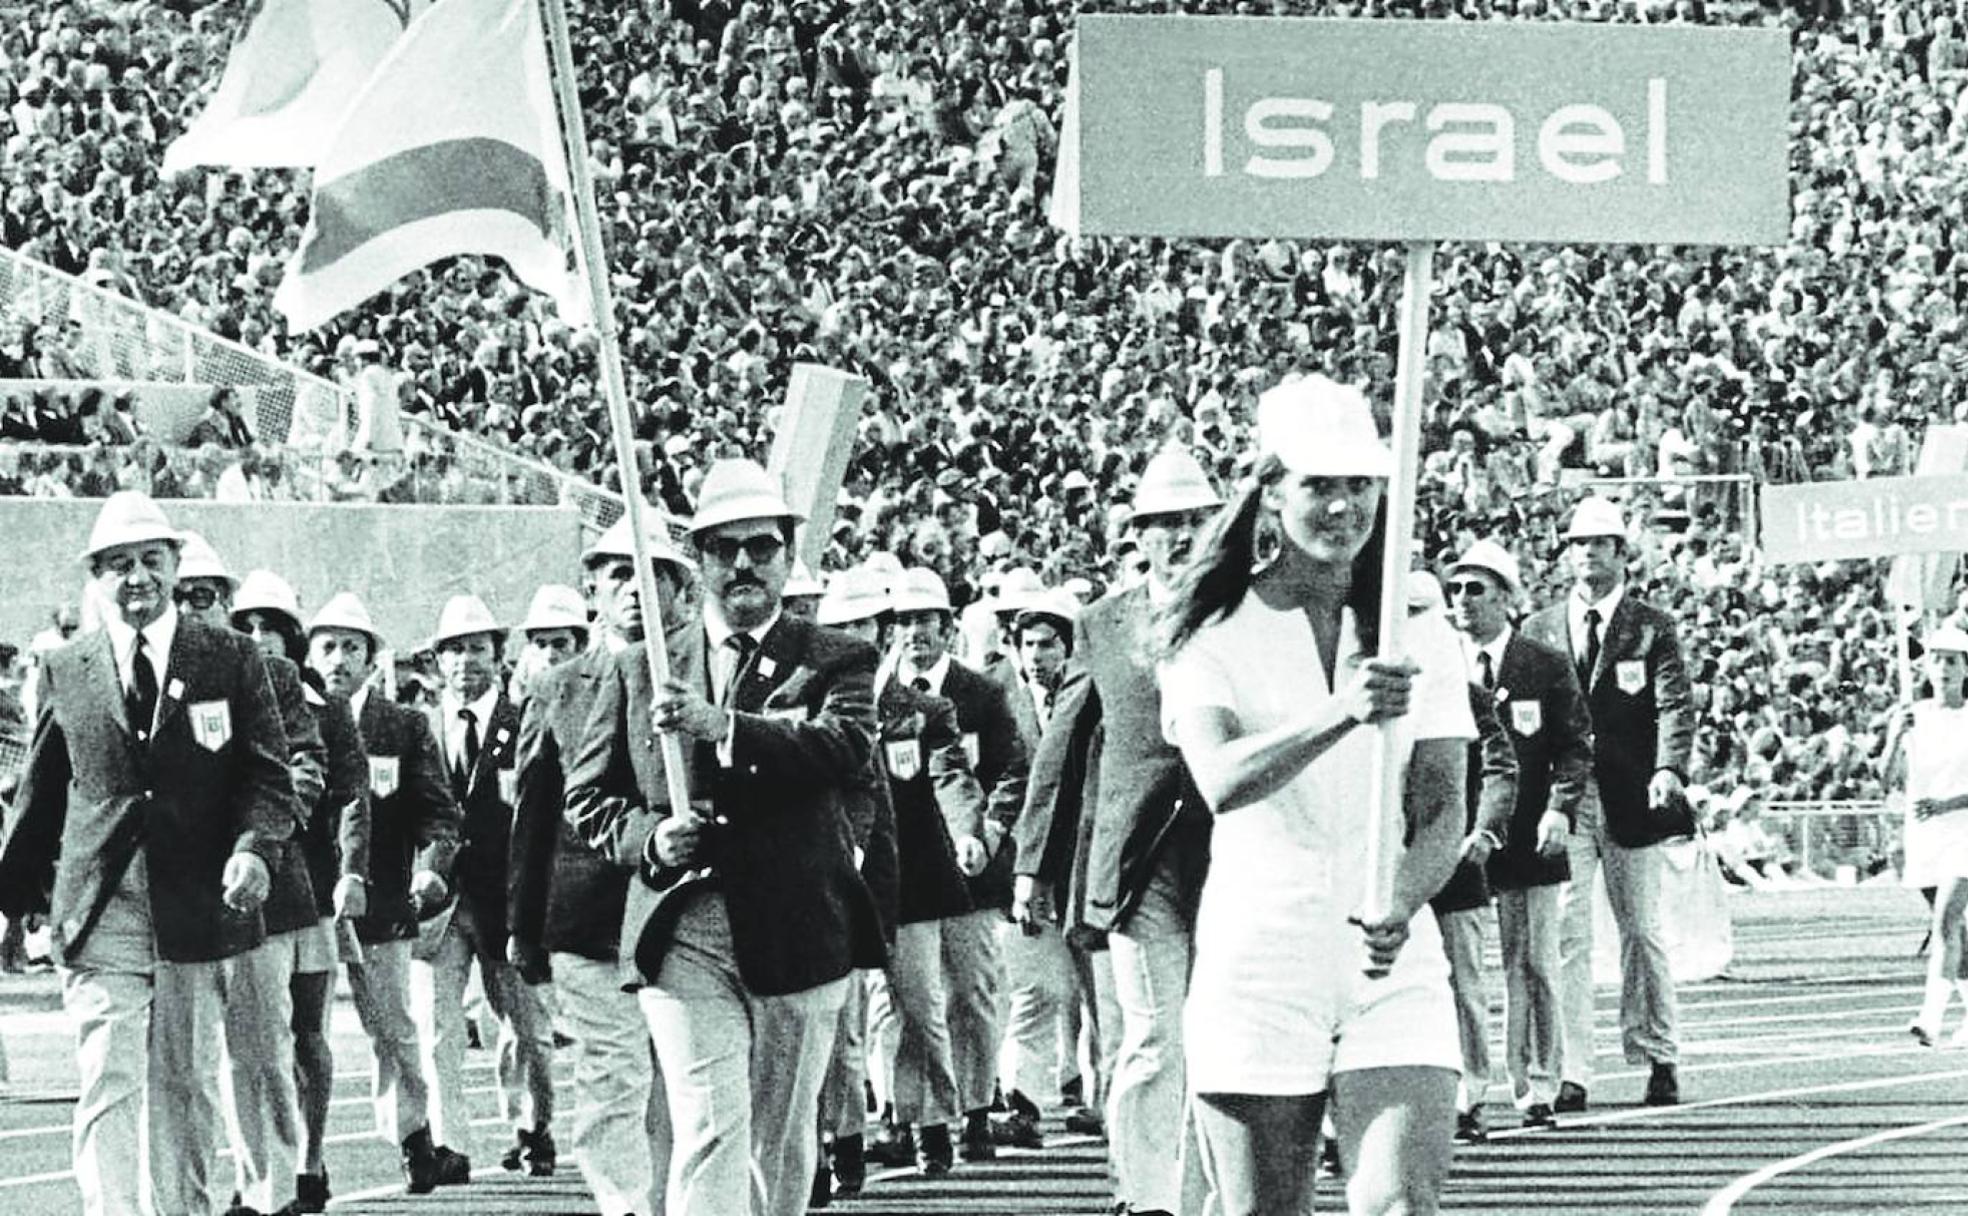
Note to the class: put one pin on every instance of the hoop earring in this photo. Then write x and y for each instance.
(1267, 542)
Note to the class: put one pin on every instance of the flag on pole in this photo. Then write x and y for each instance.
(451, 148)
(289, 80)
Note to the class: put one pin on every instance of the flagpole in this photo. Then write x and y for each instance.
(1384, 837)
(594, 268)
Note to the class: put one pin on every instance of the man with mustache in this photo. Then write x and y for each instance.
(1148, 847)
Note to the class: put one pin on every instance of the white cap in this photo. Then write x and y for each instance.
(1489, 556)
(198, 559)
(129, 517)
(555, 606)
(853, 595)
(1174, 482)
(463, 616)
(346, 611)
(1596, 516)
(1318, 427)
(919, 590)
(1947, 637)
(265, 591)
(614, 543)
(739, 489)
(1020, 589)
(1061, 603)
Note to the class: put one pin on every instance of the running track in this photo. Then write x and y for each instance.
(1802, 1093)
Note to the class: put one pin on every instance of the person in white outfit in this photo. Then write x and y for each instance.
(1272, 673)
(1926, 755)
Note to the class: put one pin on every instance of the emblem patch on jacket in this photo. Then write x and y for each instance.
(1631, 675)
(904, 759)
(211, 724)
(1526, 717)
(382, 775)
(509, 786)
(972, 748)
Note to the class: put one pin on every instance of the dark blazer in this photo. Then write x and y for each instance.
(91, 795)
(413, 820)
(1143, 798)
(1001, 762)
(1642, 721)
(335, 839)
(1064, 781)
(936, 799)
(779, 847)
(485, 839)
(1538, 699)
(564, 894)
(290, 901)
(1491, 795)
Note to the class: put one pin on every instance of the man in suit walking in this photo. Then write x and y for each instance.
(413, 841)
(569, 897)
(973, 966)
(152, 814)
(477, 726)
(1636, 690)
(1537, 698)
(762, 913)
(1149, 845)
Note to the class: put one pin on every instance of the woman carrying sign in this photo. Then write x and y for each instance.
(1270, 683)
(1926, 754)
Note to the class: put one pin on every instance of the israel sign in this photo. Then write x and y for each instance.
(1408, 130)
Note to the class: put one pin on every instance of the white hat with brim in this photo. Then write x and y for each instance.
(854, 595)
(555, 606)
(1020, 589)
(1318, 427)
(198, 559)
(265, 591)
(920, 590)
(464, 616)
(1596, 516)
(734, 490)
(346, 611)
(615, 543)
(1492, 558)
(1947, 638)
(1173, 483)
(129, 518)
(1061, 604)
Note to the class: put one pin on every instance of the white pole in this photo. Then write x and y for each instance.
(594, 264)
(1384, 840)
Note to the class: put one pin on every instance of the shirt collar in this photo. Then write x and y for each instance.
(481, 708)
(1494, 648)
(158, 636)
(357, 700)
(717, 631)
(1604, 606)
(935, 673)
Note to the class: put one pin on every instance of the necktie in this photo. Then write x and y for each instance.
(921, 683)
(1591, 648)
(740, 646)
(1489, 671)
(470, 761)
(140, 701)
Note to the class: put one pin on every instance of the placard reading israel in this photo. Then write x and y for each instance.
(1407, 130)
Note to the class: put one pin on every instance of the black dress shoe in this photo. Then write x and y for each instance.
(977, 1142)
(1085, 1121)
(1073, 1093)
(822, 1194)
(1538, 1114)
(419, 1162)
(892, 1146)
(1469, 1127)
(311, 1192)
(1663, 1088)
(850, 1166)
(1571, 1099)
(934, 1157)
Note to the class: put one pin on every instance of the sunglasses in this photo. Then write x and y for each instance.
(725, 549)
(1470, 589)
(199, 598)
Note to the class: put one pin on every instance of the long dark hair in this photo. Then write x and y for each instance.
(1226, 564)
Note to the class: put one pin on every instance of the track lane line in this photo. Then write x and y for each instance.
(1724, 1201)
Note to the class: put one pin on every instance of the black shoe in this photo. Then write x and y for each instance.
(933, 1155)
(544, 1156)
(240, 1209)
(453, 1168)
(1329, 1163)
(420, 1162)
(1539, 1115)
(1571, 1099)
(1018, 1104)
(562, 1040)
(822, 1195)
(1072, 1094)
(1921, 1034)
(1086, 1121)
(850, 1166)
(473, 1040)
(515, 1158)
(1663, 1087)
(1469, 1127)
(893, 1146)
(311, 1192)
(1017, 1129)
(977, 1142)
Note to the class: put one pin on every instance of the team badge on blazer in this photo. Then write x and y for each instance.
(382, 775)
(1631, 675)
(211, 724)
(509, 786)
(1526, 716)
(904, 759)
